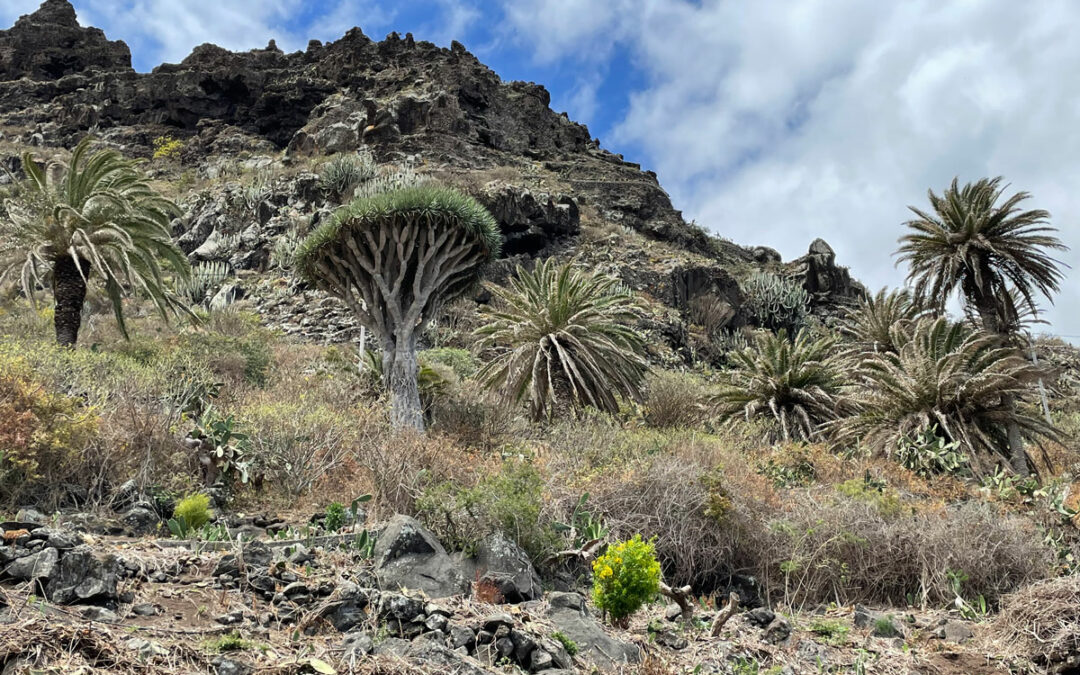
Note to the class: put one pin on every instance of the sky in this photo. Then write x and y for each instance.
(769, 122)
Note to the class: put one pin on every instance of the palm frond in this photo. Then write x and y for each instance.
(563, 333)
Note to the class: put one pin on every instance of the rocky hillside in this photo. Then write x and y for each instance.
(253, 126)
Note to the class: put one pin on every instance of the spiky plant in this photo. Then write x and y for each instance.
(794, 383)
(94, 218)
(563, 335)
(868, 327)
(969, 242)
(396, 259)
(992, 252)
(948, 375)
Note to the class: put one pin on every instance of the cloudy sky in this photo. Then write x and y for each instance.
(769, 122)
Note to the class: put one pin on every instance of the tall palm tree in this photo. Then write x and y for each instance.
(564, 334)
(796, 384)
(95, 217)
(989, 249)
(943, 375)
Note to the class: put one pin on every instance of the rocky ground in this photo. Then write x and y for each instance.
(85, 593)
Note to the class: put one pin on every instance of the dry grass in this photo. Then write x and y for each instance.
(1042, 622)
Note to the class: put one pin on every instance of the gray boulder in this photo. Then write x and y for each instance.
(408, 556)
(40, 565)
(569, 614)
(501, 561)
(84, 576)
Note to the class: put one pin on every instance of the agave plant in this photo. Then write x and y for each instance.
(950, 378)
(563, 335)
(794, 383)
(95, 217)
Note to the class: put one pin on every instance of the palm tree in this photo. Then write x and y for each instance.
(95, 217)
(564, 335)
(989, 251)
(795, 383)
(948, 376)
(868, 327)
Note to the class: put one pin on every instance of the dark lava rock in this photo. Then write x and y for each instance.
(50, 44)
(84, 576)
(408, 556)
(567, 612)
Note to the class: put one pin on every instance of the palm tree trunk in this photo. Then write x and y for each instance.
(986, 305)
(400, 369)
(69, 293)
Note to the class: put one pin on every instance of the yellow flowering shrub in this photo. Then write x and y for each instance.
(626, 577)
(167, 147)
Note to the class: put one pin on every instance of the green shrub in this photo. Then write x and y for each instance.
(195, 510)
(509, 501)
(626, 577)
(834, 631)
(569, 645)
(461, 361)
(927, 453)
(237, 358)
(334, 518)
(883, 498)
(43, 434)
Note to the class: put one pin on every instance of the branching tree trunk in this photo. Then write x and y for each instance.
(396, 259)
(69, 292)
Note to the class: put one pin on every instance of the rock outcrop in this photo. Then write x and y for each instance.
(50, 43)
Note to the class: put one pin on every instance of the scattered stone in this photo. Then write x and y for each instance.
(40, 565)
(93, 613)
(145, 609)
(356, 645)
(31, 515)
(230, 619)
(229, 666)
(84, 576)
(146, 648)
(503, 563)
(760, 616)
(955, 631)
(778, 631)
(567, 612)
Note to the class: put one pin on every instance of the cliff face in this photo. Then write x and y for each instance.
(401, 99)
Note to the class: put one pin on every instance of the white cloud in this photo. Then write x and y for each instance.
(774, 123)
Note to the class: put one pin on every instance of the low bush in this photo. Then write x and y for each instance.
(297, 442)
(194, 509)
(674, 400)
(43, 435)
(625, 577)
(509, 501)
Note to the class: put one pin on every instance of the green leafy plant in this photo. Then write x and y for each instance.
(569, 645)
(794, 383)
(625, 577)
(583, 528)
(927, 453)
(397, 259)
(94, 217)
(563, 335)
(227, 447)
(976, 241)
(191, 514)
(334, 517)
(167, 147)
(339, 177)
(947, 376)
(204, 281)
(364, 543)
(834, 631)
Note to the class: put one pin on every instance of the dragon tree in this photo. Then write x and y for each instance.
(395, 259)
